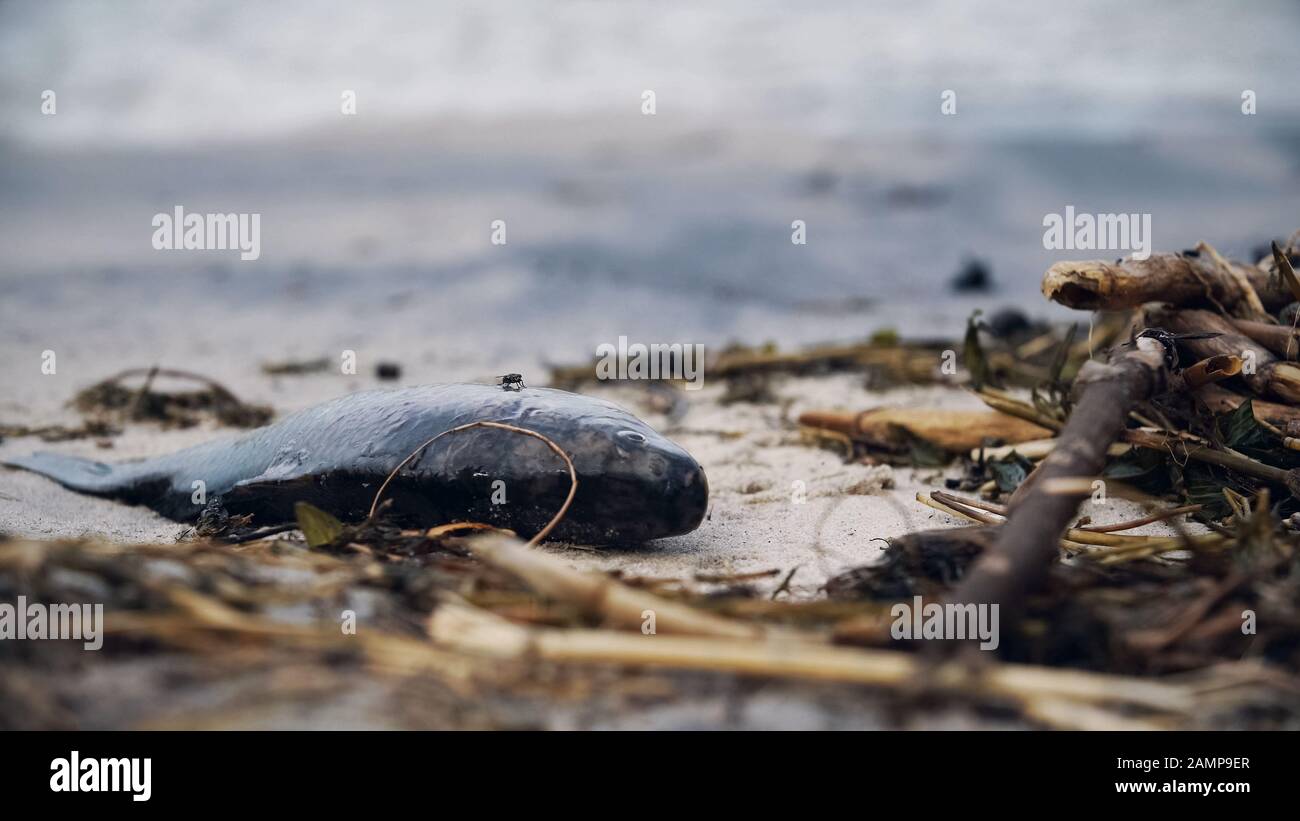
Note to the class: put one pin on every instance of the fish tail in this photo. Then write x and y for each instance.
(84, 475)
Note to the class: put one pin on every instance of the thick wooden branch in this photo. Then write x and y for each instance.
(1203, 279)
(1028, 542)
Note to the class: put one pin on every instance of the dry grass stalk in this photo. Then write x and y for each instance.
(1184, 449)
(598, 595)
(1115, 544)
(1035, 450)
(1011, 406)
(472, 630)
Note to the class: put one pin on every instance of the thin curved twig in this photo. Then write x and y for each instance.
(168, 373)
(555, 520)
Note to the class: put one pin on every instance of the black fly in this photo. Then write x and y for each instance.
(1169, 341)
(511, 381)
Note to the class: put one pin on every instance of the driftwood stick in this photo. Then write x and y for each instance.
(1265, 376)
(1027, 542)
(1282, 340)
(1219, 400)
(954, 430)
(1179, 279)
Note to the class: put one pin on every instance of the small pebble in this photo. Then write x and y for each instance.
(974, 277)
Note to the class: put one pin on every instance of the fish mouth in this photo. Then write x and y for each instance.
(630, 510)
(689, 503)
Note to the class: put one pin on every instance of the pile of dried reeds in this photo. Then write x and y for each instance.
(1195, 413)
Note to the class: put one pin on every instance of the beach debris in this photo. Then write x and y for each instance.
(1012, 324)
(217, 636)
(296, 367)
(113, 402)
(1199, 407)
(974, 277)
(1207, 334)
(89, 429)
(1027, 544)
(477, 632)
(600, 597)
(955, 431)
(318, 527)
(1189, 279)
(754, 388)
(889, 360)
(1121, 602)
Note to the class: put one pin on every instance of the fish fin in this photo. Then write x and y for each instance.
(270, 499)
(84, 475)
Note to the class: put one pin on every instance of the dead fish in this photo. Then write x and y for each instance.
(633, 483)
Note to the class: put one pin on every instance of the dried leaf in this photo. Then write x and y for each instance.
(319, 527)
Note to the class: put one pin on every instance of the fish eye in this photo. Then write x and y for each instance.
(631, 437)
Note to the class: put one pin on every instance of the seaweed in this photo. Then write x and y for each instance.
(111, 399)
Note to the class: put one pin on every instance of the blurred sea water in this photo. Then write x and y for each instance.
(158, 72)
(674, 227)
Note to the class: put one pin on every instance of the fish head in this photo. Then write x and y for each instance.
(634, 482)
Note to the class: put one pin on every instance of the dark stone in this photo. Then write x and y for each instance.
(1008, 323)
(974, 277)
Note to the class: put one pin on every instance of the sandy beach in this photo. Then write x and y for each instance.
(759, 519)
(460, 191)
